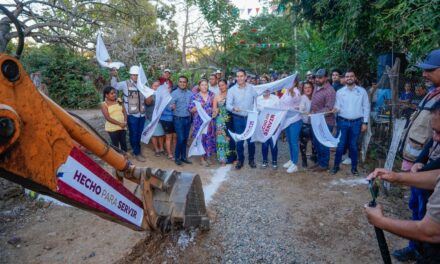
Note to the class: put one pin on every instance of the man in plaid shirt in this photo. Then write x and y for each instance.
(323, 100)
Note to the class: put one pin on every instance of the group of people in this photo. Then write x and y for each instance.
(346, 108)
(228, 103)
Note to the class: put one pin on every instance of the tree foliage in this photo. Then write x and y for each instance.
(352, 33)
(68, 75)
(242, 50)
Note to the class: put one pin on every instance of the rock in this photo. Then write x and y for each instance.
(92, 254)
(47, 247)
(52, 234)
(14, 241)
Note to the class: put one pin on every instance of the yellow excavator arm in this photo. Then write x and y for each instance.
(40, 149)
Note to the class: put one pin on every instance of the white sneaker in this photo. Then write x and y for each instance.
(292, 168)
(346, 161)
(287, 164)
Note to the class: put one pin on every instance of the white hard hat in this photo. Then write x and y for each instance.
(167, 70)
(134, 69)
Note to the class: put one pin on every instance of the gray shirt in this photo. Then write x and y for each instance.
(241, 98)
(182, 99)
(122, 86)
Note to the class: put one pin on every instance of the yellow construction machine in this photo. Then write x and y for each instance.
(41, 148)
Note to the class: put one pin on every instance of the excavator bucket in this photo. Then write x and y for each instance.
(179, 199)
(40, 148)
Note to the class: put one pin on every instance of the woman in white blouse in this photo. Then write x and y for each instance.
(291, 100)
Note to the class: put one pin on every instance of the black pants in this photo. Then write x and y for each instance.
(305, 135)
(118, 139)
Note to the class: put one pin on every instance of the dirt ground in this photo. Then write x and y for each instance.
(257, 216)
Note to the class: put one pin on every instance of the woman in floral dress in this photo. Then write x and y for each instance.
(222, 135)
(205, 98)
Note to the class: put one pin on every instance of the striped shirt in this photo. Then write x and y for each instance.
(323, 100)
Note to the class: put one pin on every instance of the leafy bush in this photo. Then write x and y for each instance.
(68, 75)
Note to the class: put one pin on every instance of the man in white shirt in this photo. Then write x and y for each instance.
(239, 101)
(213, 84)
(353, 109)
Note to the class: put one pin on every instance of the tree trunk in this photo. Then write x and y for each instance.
(185, 36)
(5, 28)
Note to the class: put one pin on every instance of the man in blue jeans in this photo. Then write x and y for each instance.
(181, 98)
(241, 99)
(323, 101)
(353, 110)
(134, 103)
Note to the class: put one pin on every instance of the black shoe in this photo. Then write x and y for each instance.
(239, 165)
(178, 162)
(334, 170)
(304, 163)
(405, 254)
(187, 161)
(252, 164)
(354, 172)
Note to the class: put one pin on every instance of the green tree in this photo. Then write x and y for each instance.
(352, 33)
(68, 75)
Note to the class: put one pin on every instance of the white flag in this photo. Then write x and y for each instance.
(196, 148)
(103, 57)
(141, 81)
(162, 100)
(321, 131)
(290, 117)
(276, 85)
(251, 124)
(269, 120)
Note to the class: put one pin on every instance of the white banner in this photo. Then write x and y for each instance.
(196, 148)
(251, 124)
(163, 97)
(269, 120)
(398, 127)
(366, 142)
(289, 118)
(81, 179)
(141, 81)
(276, 85)
(321, 131)
(103, 57)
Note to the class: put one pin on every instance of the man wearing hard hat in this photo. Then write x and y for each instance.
(134, 103)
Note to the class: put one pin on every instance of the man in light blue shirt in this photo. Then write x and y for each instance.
(241, 99)
(181, 98)
(353, 110)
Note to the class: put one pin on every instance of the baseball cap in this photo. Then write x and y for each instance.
(309, 73)
(432, 61)
(321, 73)
(218, 71)
(167, 70)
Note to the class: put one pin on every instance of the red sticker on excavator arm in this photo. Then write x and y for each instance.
(83, 180)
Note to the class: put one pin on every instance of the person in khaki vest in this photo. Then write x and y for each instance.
(419, 132)
(134, 103)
